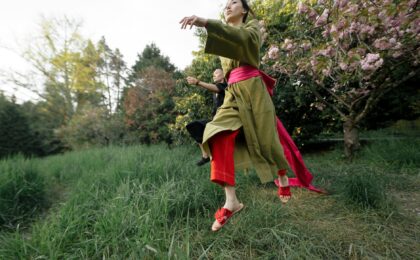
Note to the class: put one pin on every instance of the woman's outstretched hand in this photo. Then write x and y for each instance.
(193, 20)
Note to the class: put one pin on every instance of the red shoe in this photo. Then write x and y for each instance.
(222, 215)
(283, 193)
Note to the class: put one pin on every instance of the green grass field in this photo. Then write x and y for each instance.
(154, 203)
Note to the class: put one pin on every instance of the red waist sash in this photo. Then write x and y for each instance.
(246, 72)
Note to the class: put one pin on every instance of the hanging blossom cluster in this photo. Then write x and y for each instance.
(371, 62)
(357, 35)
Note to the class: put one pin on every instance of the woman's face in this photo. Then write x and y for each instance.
(234, 11)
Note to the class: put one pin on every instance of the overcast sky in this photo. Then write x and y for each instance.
(126, 24)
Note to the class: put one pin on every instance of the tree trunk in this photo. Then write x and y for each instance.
(351, 138)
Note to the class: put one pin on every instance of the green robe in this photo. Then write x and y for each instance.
(247, 104)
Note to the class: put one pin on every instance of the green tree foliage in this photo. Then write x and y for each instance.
(99, 119)
(88, 88)
(44, 124)
(399, 103)
(113, 72)
(16, 135)
(149, 105)
(64, 75)
(150, 57)
(93, 127)
(76, 81)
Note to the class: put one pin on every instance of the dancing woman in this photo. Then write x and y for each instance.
(247, 108)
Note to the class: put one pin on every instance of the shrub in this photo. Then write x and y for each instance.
(365, 189)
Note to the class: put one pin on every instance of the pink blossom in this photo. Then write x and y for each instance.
(340, 3)
(384, 17)
(354, 27)
(343, 66)
(352, 9)
(312, 14)
(395, 22)
(288, 45)
(379, 63)
(412, 3)
(367, 29)
(397, 54)
(372, 57)
(343, 34)
(321, 2)
(326, 72)
(322, 20)
(397, 46)
(302, 8)
(280, 68)
(415, 26)
(273, 52)
(306, 46)
(371, 62)
(382, 44)
(328, 52)
(326, 32)
(333, 29)
(341, 24)
(314, 63)
(343, 3)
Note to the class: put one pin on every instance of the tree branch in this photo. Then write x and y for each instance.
(375, 98)
(337, 97)
(319, 96)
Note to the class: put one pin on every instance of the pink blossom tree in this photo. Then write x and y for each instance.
(349, 54)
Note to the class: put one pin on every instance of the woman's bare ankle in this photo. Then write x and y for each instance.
(284, 181)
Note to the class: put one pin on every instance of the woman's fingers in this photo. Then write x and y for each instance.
(194, 19)
(184, 22)
(189, 20)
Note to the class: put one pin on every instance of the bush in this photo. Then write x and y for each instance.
(365, 189)
(22, 191)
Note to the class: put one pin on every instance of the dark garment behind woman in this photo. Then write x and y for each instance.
(196, 128)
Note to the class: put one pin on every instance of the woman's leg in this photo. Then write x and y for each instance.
(232, 202)
(222, 147)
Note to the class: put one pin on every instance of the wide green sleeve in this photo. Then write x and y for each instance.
(237, 43)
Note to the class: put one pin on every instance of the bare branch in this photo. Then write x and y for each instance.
(319, 96)
(373, 99)
(340, 100)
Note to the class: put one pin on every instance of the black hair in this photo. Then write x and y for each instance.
(247, 9)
